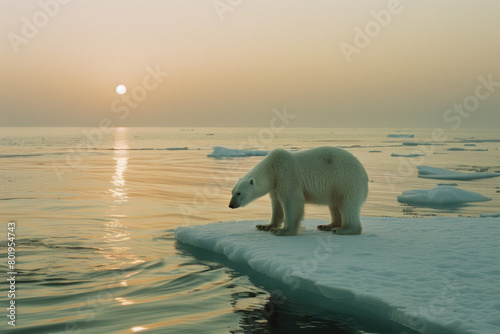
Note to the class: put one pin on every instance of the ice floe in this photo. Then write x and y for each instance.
(435, 275)
(416, 143)
(441, 196)
(480, 140)
(490, 215)
(395, 135)
(445, 174)
(150, 149)
(465, 149)
(222, 152)
(411, 155)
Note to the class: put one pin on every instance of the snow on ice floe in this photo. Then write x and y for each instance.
(411, 155)
(435, 275)
(397, 135)
(445, 174)
(441, 196)
(222, 152)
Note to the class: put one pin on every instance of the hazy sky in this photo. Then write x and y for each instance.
(332, 63)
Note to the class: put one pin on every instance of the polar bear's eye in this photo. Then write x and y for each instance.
(238, 194)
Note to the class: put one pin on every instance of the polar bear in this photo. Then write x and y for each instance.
(324, 176)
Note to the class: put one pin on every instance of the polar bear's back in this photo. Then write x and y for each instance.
(331, 172)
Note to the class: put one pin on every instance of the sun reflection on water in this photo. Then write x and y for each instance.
(120, 147)
(117, 234)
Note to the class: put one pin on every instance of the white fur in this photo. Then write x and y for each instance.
(325, 176)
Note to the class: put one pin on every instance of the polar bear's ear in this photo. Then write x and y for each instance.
(251, 181)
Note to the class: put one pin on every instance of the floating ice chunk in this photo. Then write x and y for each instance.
(411, 155)
(436, 275)
(465, 149)
(445, 174)
(150, 149)
(176, 148)
(490, 215)
(480, 140)
(222, 152)
(442, 196)
(416, 143)
(395, 135)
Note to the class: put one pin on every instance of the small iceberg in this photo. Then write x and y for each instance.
(176, 148)
(490, 215)
(427, 172)
(222, 152)
(416, 143)
(440, 197)
(480, 140)
(395, 135)
(411, 155)
(465, 149)
(150, 149)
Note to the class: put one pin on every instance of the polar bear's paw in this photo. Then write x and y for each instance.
(263, 227)
(328, 227)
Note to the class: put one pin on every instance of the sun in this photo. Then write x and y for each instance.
(121, 89)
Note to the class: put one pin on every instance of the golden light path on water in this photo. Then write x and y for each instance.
(117, 234)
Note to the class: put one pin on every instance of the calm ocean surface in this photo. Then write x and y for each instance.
(95, 218)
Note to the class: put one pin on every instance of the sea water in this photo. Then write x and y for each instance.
(95, 212)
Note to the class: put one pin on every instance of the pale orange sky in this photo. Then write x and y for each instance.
(229, 63)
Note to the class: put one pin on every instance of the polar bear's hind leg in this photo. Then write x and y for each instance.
(351, 220)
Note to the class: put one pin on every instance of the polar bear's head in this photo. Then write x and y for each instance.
(243, 192)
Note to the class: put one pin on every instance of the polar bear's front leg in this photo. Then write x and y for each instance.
(294, 212)
(336, 221)
(277, 215)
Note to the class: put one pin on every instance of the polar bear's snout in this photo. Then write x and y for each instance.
(233, 204)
